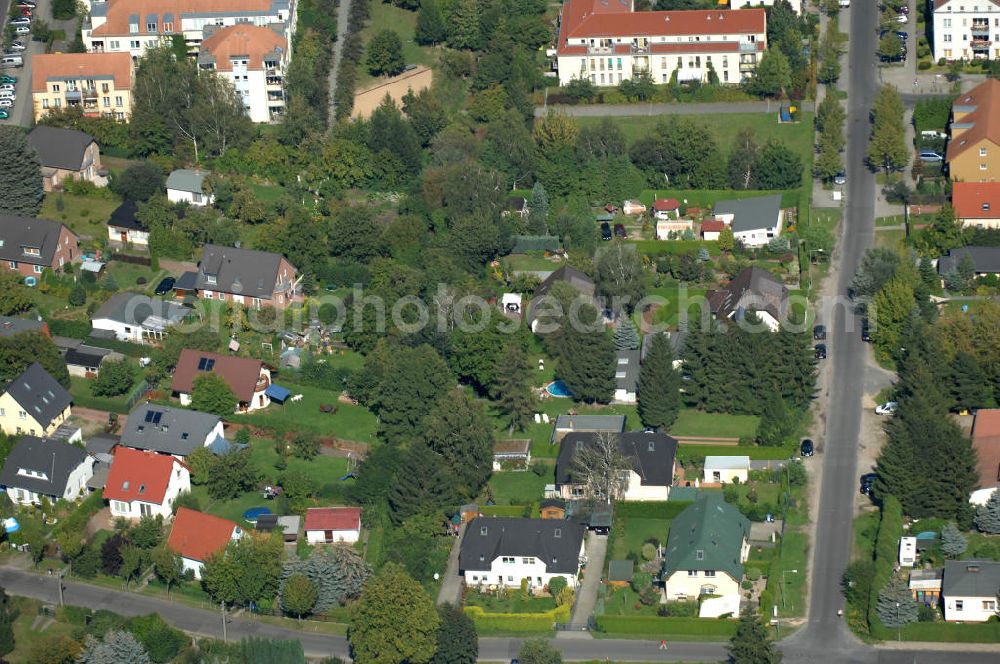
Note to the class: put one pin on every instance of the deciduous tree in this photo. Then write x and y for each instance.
(601, 467)
(773, 75)
(210, 393)
(298, 595)
(395, 621)
(431, 27)
(114, 378)
(167, 567)
(457, 641)
(539, 651)
(385, 54)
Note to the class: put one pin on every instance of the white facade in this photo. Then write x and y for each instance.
(319, 536)
(509, 570)
(970, 609)
(76, 486)
(128, 236)
(726, 469)
(259, 400)
(754, 237)
(634, 491)
(748, 4)
(907, 551)
(605, 68)
(665, 226)
(966, 29)
(196, 566)
(685, 585)
(624, 396)
(180, 482)
(980, 496)
(190, 197)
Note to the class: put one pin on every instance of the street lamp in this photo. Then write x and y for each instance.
(897, 622)
(783, 573)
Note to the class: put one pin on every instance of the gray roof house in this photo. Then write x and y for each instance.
(44, 467)
(754, 221)
(168, 430)
(43, 400)
(583, 284)
(969, 590)
(626, 375)
(137, 317)
(36, 242)
(652, 455)
(246, 276)
(186, 185)
(555, 544)
(985, 260)
(753, 289)
(66, 154)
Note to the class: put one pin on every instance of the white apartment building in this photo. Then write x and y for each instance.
(745, 4)
(135, 25)
(607, 42)
(966, 29)
(254, 59)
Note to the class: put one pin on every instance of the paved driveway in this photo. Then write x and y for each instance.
(451, 587)
(586, 596)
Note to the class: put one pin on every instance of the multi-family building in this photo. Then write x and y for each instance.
(99, 83)
(607, 42)
(254, 59)
(966, 29)
(132, 26)
(973, 153)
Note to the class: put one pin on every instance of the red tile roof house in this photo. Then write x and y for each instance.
(246, 377)
(986, 443)
(666, 208)
(144, 483)
(977, 204)
(28, 246)
(333, 524)
(196, 537)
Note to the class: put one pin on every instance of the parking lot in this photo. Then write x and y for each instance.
(21, 111)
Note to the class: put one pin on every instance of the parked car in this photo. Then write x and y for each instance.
(17, 46)
(165, 286)
(4, 114)
(7, 86)
(620, 231)
(6, 103)
(20, 20)
(7, 94)
(22, 30)
(866, 330)
(7, 78)
(26, 3)
(605, 231)
(867, 480)
(930, 156)
(887, 408)
(845, 4)
(819, 332)
(820, 351)
(902, 18)
(806, 449)
(931, 133)
(840, 179)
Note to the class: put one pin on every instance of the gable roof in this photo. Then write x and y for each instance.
(124, 217)
(708, 534)
(167, 430)
(652, 455)
(196, 535)
(60, 67)
(976, 200)
(333, 518)
(570, 275)
(60, 148)
(187, 179)
(84, 357)
(986, 443)
(666, 204)
(139, 475)
(17, 233)
(938, 4)
(984, 259)
(11, 325)
(727, 463)
(752, 288)
(141, 310)
(240, 373)
(39, 394)
(56, 459)
(243, 40)
(627, 370)
(971, 578)
(751, 214)
(590, 423)
(241, 271)
(555, 542)
(982, 104)
(120, 12)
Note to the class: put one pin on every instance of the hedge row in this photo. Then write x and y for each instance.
(517, 622)
(651, 510)
(656, 625)
(351, 53)
(890, 529)
(942, 632)
(506, 510)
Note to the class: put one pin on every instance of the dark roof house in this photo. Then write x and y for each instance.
(124, 217)
(985, 260)
(41, 465)
(753, 289)
(583, 284)
(707, 535)
(750, 214)
(555, 542)
(971, 578)
(32, 241)
(65, 149)
(168, 430)
(652, 454)
(245, 272)
(39, 394)
(626, 372)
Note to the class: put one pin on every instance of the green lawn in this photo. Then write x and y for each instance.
(630, 533)
(80, 389)
(529, 263)
(625, 602)
(126, 274)
(706, 198)
(513, 603)
(674, 298)
(520, 487)
(86, 215)
(890, 238)
(691, 422)
(348, 422)
(790, 589)
(25, 635)
(267, 193)
(541, 433)
(402, 22)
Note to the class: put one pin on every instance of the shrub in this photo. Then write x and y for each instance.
(78, 296)
(924, 65)
(556, 585)
(660, 626)
(648, 551)
(161, 641)
(680, 609)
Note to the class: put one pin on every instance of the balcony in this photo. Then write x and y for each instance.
(980, 44)
(747, 67)
(980, 29)
(600, 50)
(748, 47)
(275, 81)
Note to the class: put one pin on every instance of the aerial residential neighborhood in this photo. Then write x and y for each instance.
(456, 331)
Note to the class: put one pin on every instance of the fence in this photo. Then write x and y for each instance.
(135, 260)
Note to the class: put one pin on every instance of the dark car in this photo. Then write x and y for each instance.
(165, 286)
(620, 231)
(605, 231)
(867, 481)
(806, 448)
(820, 351)
(819, 332)
(866, 330)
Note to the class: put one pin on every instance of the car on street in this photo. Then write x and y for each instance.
(4, 114)
(887, 408)
(819, 332)
(6, 103)
(867, 481)
(20, 20)
(807, 448)
(165, 286)
(930, 156)
(820, 351)
(17, 46)
(840, 179)
(605, 231)
(866, 330)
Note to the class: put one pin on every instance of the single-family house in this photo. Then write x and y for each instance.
(143, 483)
(969, 590)
(124, 228)
(38, 468)
(512, 453)
(248, 378)
(667, 229)
(726, 469)
(34, 403)
(651, 454)
(708, 543)
(333, 524)
(711, 229)
(665, 209)
(544, 312)
(85, 361)
(754, 221)
(976, 204)
(29, 245)
(753, 289)
(566, 424)
(925, 585)
(973, 153)
(986, 443)
(501, 551)
(138, 318)
(196, 537)
(66, 154)
(516, 205)
(168, 430)
(985, 260)
(186, 185)
(245, 276)
(12, 325)
(633, 207)
(626, 376)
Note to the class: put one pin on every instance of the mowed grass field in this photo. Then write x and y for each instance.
(387, 17)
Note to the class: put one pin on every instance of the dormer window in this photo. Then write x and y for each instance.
(211, 278)
(482, 530)
(699, 554)
(32, 251)
(986, 208)
(557, 533)
(142, 489)
(652, 446)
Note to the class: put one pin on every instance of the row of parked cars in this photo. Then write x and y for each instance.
(13, 56)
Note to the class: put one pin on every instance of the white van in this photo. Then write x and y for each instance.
(845, 4)
(11, 60)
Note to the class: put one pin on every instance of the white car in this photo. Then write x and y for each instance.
(902, 18)
(888, 408)
(22, 30)
(6, 103)
(7, 86)
(17, 46)
(21, 20)
(845, 4)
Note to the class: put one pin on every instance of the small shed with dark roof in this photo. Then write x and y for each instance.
(620, 572)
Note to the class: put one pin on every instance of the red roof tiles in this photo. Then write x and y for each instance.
(333, 518)
(986, 443)
(197, 536)
(976, 200)
(138, 475)
(240, 373)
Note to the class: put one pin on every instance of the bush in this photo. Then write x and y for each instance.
(556, 585)
(161, 641)
(78, 296)
(680, 609)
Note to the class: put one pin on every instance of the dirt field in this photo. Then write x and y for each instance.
(366, 101)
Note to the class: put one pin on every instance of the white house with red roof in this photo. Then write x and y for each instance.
(142, 483)
(607, 42)
(333, 524)
(976, 204)
(196, 537)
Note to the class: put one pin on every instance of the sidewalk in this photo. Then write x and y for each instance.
(626, 110)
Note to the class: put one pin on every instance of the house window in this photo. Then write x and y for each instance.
(959, 605)
(12, 265)
(150, 26)
(106, 101)
(38, 269)
(692, 572)
(710, 573)
(527, 561)
(222, 297)
(510, 579)
(982, 152)
(699, 554)
(989, 605)
(145, 509)
(21, 415)
(196, 197)
(947, 38)
(118, 101)
(168, 27)
(104, 87)
(45, 103)
(508, 560)
(208, 295)
(134, 44)
(983, 167)
(114, 45)
(947, 23)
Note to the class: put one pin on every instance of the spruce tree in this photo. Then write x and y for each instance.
(513, 387)
(751, 644)
(430, 28)
(988, 515)
(20, 175)
(626, 337)
(659, 385)
(896, 606)
(774, 422)
(459, 431)
(422, 485)
(969, 384)
(538, 211)
(953, 542)
(587, 358)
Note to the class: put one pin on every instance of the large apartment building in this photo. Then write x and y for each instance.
(973, 153)
(99, 83)
(133, 26)
(966, 29)
(254, 59)
(607, 41)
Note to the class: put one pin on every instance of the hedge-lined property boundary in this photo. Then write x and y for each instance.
(493, 623)
(656, 625)
(651, 510)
